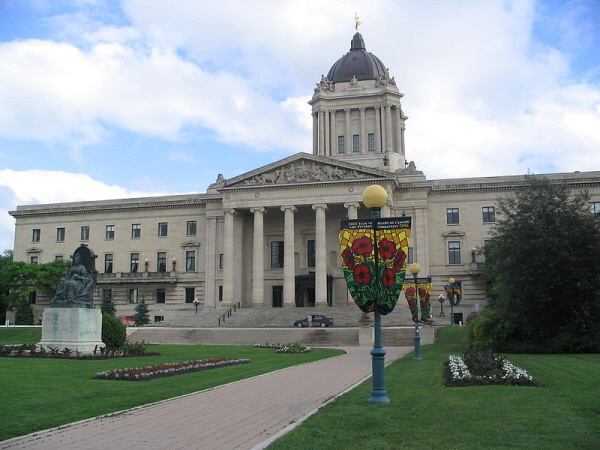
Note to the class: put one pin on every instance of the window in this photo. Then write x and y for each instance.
(190, 261)
(452, 216)
(58, 258)
(190, 293)
(310, 250)
(36, 235)
(85, 233)
(355, 143)
(594, 208)
(191, 228)
(133, 295)
(163, 228)
(110, 231)
(33, 298)
(277, 255)
(489, 213)
(341, 144)
(60, 234)
(371, 142)
(108, 263)
(221, 261)
(161, 296)
(454, 252)
(161, 262)
(135, 262)
(34, 259)
(136, 230)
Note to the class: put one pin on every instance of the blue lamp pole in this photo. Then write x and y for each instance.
(415, 269)
(374, 198)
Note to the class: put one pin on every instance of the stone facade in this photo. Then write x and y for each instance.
(269, 238)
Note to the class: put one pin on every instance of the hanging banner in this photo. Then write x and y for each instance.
(374, 253)
(454, 295)
(422, 294)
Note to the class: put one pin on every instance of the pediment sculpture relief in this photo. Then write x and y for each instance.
(304, 173)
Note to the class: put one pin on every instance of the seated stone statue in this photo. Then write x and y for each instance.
(76, 289)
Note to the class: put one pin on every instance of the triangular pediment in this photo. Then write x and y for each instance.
(303, 168)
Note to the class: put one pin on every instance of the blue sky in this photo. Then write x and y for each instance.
(114, 99)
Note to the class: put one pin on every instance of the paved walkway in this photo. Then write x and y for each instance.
(247, 414)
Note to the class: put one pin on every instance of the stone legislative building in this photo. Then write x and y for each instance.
(269, 238)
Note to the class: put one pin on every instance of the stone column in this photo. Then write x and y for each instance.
(388, 128)
(333, 133)
(383, 130)
(320, 256)
(228, 272)
(363, 131)
(399, 132)
(315, 133)
(321, 132)
(348, 137)
(258, 258)
(210, 294)
(378, 130)
(352, 210)
(289, 263)
(327, 136)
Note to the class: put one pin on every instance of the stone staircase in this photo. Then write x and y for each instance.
(343, 316)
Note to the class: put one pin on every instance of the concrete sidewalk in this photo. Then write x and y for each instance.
(246, 414)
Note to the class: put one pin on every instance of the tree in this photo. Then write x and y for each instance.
(544, 267)
(107, 307)
(141, 316)
(23, 312)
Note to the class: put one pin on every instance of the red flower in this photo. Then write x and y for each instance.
(388, 277)
(348, 258)
(387, 249)
(362, 246)
(362, 274)
(399, 261)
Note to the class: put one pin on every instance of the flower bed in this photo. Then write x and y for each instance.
(167, 369)
(285, 348)
(480, 368)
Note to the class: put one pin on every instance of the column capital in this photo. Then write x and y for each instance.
(290, 207)
(259, 209)
(320, 205)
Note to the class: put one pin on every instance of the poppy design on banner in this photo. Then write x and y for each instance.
(421, 297)
(374, 253)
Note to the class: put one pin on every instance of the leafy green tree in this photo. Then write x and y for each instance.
(107, 307)
(544, 265)
(23, 312)
(141, 316)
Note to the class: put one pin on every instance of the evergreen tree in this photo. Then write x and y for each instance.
(23, 312)
(545, 270)
(141, 316)
(107, 307)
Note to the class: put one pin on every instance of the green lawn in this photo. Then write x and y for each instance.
(42, 393)
(562, 413)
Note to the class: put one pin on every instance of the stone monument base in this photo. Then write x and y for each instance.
(74, 328)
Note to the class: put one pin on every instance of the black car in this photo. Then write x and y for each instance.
(317, 320)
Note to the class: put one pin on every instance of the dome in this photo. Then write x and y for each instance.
(358, 62)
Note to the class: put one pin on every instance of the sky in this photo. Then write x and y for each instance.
(104, 99)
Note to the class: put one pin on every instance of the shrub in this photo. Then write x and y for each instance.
(114, 334)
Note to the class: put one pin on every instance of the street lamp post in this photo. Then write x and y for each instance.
(441, 299)
(452, 301)
(415, 269)
(196, 303)
(374, 198)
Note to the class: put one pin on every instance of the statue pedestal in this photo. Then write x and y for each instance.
(74, 328)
